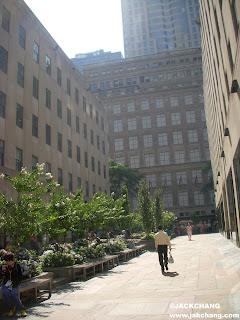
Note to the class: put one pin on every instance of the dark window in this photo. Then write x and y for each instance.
(35, 87)
(70, 149)
(59, 108)
(94, 189)
(78, 154)
(20, 75)
(19, 116)
(35, 52)
(104, 172)
(19, 159)
(59, 142)
(60, 179)
(99, 168)
(98, 143)
(1, 153)
(86, 159)
(91, 111)
(103, 147)
(70, 186)
(87, 188)
(76, 96)
(102, 123)
(84, 104)
(48, 65)
(5, 19)
(2, 104)
(34, 162)
(48, 99)
(96, 117)
(34, 126)
(85, 130)
(3, 59)
(92, 140)
(22, 37)
(59, 77)
(77, 124)
(68, 87)
(48, 134)
(93, 164)
(79, 182)
(69, 122)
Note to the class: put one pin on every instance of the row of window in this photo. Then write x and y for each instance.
(164, 158)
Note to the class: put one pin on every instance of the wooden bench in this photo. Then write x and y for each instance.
(131, 253)
(90, 268)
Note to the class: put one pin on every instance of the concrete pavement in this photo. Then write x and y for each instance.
(206, 271)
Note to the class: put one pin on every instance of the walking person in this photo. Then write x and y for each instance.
(162, 241)
(12, 276)
(189, 231)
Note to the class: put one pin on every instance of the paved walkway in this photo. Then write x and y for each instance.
(206, 270)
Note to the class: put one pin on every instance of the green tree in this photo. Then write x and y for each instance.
(126, 218)
(145, 206)
(158, 206)
(168, 219)
(120, 175)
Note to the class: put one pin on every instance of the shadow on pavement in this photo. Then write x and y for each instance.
(171, 274)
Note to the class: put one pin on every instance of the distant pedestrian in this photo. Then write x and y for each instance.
(162, 241)
(189, 231)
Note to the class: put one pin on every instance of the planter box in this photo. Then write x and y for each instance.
(60, 272)
(150, 244)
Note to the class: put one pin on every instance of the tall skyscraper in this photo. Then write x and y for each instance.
(153, 26)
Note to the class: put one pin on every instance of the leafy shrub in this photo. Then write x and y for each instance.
(149, 236)
(30, 268)
(56, 259)
(115, 246)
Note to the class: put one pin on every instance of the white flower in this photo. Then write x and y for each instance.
(112, 194)
(30, 205)
(57, 204)
(57, 185)
(71, 195)
(48, 175)
(51, 194)
(67, 199)
(2, 176)
(62, 203)
(40, 167)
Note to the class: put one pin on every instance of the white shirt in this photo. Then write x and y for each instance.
(161, 238)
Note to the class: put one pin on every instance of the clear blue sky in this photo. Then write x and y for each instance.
(81, 26)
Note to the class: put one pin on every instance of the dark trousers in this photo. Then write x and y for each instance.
(162, 254)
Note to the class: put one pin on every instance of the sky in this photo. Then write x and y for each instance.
(81, 26)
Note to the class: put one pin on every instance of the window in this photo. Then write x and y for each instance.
(2, 147)
(48, 65)
(166, 179)
(76, 96)
(103, 147)
(159, 103)
(5, 19)
(102, 123)
(99, 168)
(118, 144)
(34, 162)
(48, 134)
(175, 117)
(34, 126)
(35, 87)
(20, 75)
(149, 160)
(190, 117)
(117, 125)
(194, 155)
(48, 99)
(35, 52)
(68, 87)
(69, 117)
(91, 111)
(60, 179)
(146, 122)
(131, 81)
(3, 59)
(144, 105)
(196, 177)
(151, 180)
(104, 172)
(133, 142)
(87, 188)
(179, 156)
(192, 136)
(84, 104)
(164, 158)
(59, 109)
(183, 199)
(93, 164)
(94, 189)
(2, 104)
(132, 124)
(134, 162)
(207, 153)
(117, 83)
(86, 159)
(97, 117)
(181, 178)
(173, 101)
(120, 160)
(177, 137)
(203, 115)
(162, 139)
(70, 184)
(77, 124)
(19, 116)
(91, 137)
(147, 141)
(59, 141)
(98, 143)
(59, 77)
(79, 182)
(69, 149)
(22, 37)
(198, 198)
(19, 159)
(168, 200)
(188, 99)
(116, 108)
(78, 154)
(161, 120)
(131, 106)
(85, 131)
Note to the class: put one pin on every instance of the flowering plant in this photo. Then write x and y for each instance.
(56, 259)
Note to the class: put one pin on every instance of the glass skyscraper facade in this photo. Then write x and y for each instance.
(154, 26)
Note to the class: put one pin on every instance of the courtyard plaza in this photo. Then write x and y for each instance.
(206, 271)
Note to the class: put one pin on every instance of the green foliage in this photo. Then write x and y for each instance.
(195, 219)
(158, 206)
(145, 206)
(126, 217)
(149, 236)
(56, 259)
(168, 219)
